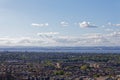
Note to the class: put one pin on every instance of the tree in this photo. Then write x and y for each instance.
(83, 67)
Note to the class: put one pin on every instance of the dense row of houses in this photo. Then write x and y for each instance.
(70, 71)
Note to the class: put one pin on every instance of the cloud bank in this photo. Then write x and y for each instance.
(53, 39)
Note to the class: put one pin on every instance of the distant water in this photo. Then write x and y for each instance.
(64, 49)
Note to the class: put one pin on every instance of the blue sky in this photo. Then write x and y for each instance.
(59, 22)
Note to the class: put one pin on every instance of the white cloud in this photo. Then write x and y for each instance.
(109, 30)
(85, 24)
(115, 34)
(110, 24)
(48, 33)
(40, 25)
(63, 23)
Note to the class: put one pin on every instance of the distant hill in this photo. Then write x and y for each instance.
(98, 49)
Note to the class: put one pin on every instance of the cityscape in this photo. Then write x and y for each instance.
(59, 66)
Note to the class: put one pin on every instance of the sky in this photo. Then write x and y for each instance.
(59, 23)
